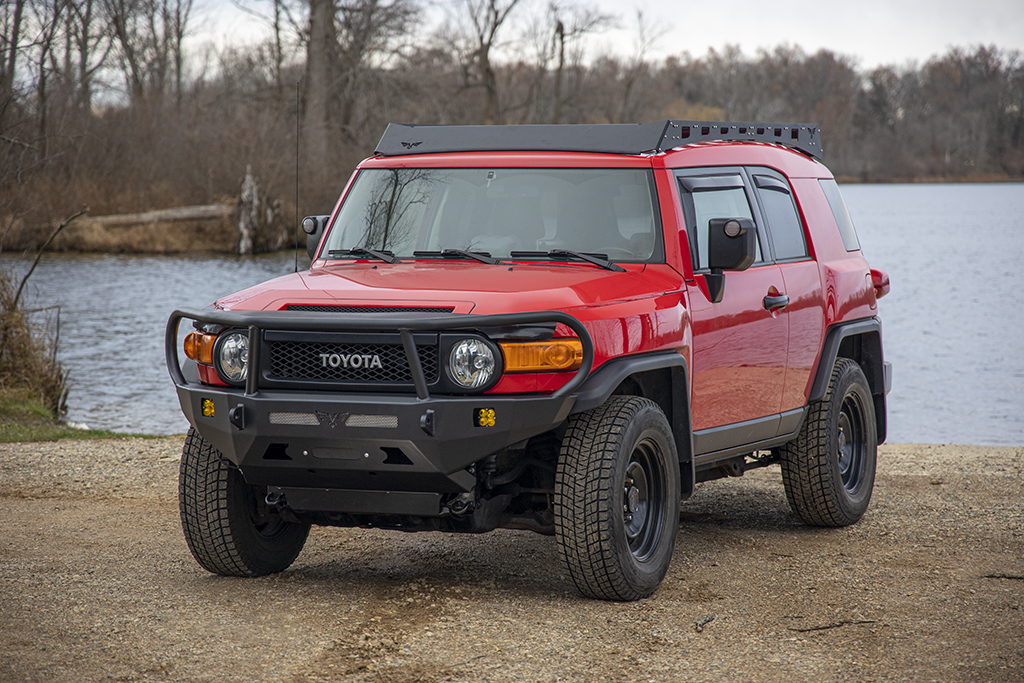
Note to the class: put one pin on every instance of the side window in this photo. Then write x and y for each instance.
(841, 213)
(731, 203)
(710, 197)
(787, 231)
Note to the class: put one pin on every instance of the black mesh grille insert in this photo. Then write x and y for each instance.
(367, 309)
(363, 363)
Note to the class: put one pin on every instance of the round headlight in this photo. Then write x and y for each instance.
(233, 356)
(471, 363)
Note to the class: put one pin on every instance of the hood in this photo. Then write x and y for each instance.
(465, 286)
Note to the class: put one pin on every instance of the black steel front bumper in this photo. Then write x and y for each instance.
(386, 445)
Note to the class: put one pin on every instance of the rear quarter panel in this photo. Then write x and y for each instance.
(845, 275)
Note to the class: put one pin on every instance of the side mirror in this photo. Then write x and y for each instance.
(313, 226)
(732, 245)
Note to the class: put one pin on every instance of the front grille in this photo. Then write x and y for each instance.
(366, 309)
(357, 363)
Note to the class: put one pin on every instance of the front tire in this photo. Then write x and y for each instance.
(227, 529)
(829, 471)
(617, 499)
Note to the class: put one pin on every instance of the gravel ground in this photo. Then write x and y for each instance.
(96, 583)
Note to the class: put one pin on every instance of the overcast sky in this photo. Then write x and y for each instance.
(872, 31)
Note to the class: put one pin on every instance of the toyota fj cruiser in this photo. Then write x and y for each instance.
(555, 328)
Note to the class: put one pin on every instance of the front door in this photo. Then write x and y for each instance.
(739, 347)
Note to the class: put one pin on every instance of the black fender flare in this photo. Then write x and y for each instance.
(863, 339)
(600, 385)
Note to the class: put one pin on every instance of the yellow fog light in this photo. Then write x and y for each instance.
(199, 347)
(207, 407)
(546, 356)
(485, 417)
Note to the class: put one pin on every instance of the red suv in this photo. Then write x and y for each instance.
(555, 328)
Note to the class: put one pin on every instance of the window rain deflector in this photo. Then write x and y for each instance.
(718, 182)
(766, 182)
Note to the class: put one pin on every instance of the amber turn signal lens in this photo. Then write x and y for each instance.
(546, 356)
(199, 347)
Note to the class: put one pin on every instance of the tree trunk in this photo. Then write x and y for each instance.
(560, 38)
(318, 79)
(248, 213)
(7, 84)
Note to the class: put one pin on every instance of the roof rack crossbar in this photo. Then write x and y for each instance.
(615, 138)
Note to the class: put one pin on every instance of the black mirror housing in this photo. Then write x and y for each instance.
(313, 226)
(732, 243)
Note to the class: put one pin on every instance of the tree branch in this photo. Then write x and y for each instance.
(39, 255)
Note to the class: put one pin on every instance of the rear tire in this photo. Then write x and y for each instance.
(829, 471)
(617, 499)
(227, 528)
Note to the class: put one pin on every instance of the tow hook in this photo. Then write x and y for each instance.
(462, 504)
(275, 498)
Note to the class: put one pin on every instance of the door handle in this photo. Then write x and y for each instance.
(773, 302)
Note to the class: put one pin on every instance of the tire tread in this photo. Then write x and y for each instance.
(204, 503)
(808, 474)
(584, 484)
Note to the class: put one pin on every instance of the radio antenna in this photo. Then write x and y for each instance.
(296, 176)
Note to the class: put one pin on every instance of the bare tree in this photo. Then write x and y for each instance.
(48, 21)
(176, 14)
(632, 99)
(149, 36)
(90, 38)
(12, 24)
(572, 23)
(486, 18)
(369, 33)
(320, 61)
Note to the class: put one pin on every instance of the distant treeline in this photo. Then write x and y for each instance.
(103, 105)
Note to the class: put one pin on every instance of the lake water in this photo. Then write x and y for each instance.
(953, 324)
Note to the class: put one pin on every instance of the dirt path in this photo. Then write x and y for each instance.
(96, 583)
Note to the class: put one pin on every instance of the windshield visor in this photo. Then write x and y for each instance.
(500, 211)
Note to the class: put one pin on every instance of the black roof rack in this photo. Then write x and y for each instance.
(609, 138)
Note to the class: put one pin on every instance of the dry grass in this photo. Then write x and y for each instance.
(216, 235)
(28, 365)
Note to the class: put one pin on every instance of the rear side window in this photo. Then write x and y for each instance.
(783, 221)
(841, 213)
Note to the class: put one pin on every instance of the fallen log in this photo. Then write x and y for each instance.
(183, 213)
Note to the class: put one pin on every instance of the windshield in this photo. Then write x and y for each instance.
(500, 211)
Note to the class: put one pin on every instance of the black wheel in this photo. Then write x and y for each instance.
(829, 471)
(227, 528)
(617, 499)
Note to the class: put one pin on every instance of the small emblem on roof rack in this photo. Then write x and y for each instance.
(410, 145)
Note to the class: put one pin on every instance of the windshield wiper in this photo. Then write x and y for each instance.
(481, 256)
(566, 254)
(385, 256)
